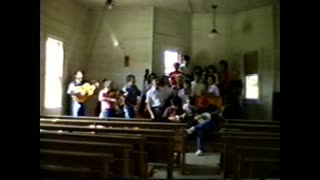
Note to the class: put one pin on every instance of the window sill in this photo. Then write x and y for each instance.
(252, 101)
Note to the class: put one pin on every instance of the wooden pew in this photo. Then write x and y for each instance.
(250, 158)
(245, 121)
(179, 137)
(160, 143)
(119, 151)
(72, 164)
(251, 127)
(232, 142)
(137, 141)
(129, 124)
(95, 118)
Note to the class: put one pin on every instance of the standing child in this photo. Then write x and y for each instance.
(107, 100)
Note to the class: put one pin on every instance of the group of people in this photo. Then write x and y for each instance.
(165, 99)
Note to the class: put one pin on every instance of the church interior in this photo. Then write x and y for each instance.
(159, 89)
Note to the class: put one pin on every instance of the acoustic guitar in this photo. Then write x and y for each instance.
(85, 91)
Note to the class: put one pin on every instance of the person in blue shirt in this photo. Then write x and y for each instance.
(131, 94)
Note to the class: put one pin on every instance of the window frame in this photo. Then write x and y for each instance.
(164, 59)
(61, 78)
(252, 100)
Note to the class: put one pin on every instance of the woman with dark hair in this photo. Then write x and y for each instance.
(212, 70)
(185, 91)
(197, 70)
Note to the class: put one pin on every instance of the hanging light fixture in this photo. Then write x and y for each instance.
(110, 4)
(213, 34)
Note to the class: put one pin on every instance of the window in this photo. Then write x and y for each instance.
(170, 57)
(252, 87)
(53, 74)
(251, 75)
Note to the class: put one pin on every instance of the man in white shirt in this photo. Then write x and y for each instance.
(155, 100)
(197, 87)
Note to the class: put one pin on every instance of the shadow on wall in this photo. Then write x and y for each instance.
(247, 26)
(201, 57)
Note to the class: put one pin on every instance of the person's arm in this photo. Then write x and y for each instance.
(103, 98)
(216, 91)
(125, 92)
(71, 88)
(165, 113)
(148, 101)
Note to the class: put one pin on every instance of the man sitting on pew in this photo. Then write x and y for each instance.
(207, 122)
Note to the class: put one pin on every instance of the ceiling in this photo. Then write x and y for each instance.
(194, 6)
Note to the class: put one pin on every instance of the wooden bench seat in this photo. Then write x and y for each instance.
(119, 151)
(160, 144)
(233, 142)
(245, 121)
(252, 127)
(251, 159)
(137, 141)
(129, 124)
(95, 118)
(77, 164)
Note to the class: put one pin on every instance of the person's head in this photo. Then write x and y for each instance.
(146, 74)
(190, 100)
(186, 59)
(79, 75)
(108, 84)
(164, 81)
(223, 65)
(197, 69)
(176, 66)
(211, 79)
(212, 69)
(197, 77)
(155, 82)
(150, 77)
(131, 79)
(204, 77)
(186, 84)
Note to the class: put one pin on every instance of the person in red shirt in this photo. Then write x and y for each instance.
(175, 74)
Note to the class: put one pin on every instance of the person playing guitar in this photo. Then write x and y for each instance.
(80, 90)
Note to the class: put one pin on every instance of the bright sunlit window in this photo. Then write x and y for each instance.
(252, 86)
(170, 57)
(53, 73)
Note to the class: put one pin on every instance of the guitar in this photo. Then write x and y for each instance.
(85, 91)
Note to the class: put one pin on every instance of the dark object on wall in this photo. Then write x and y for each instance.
(126, 61)
(276, 106)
